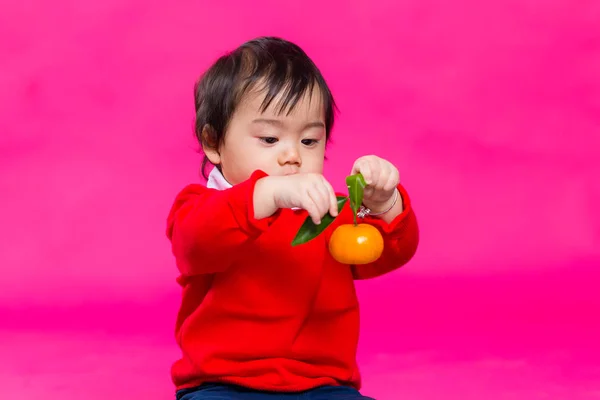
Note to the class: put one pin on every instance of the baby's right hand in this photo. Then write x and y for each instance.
(310, 192)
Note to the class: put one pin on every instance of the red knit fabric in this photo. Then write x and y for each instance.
(258, 312)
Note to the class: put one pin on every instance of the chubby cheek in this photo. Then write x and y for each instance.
(312, 162)
(251, 160)
(238, 166)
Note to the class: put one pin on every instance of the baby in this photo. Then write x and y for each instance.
(260, 319)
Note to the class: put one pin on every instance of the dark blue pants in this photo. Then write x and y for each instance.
(232, 392)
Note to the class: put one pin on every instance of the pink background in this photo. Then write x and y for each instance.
(490, 110)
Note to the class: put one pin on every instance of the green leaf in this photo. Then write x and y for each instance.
(356, 185)
(309, 230)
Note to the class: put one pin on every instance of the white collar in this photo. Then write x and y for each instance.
(216, 180)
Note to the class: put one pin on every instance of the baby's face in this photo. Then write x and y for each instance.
(277, 143)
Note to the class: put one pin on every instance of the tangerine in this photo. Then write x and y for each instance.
(356, 244)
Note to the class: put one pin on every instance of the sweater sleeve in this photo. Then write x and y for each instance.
(401, 238)
(205, 226)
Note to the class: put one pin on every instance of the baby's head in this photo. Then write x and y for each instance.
(263, 106)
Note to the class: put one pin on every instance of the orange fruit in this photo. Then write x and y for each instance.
(356, 244)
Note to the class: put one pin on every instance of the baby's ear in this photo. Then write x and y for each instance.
(210, 144)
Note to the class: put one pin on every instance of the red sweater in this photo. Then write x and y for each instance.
(258, 312)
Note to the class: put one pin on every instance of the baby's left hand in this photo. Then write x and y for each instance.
(381, 177)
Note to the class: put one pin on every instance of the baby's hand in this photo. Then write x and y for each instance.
(310, 192)
(381, 177)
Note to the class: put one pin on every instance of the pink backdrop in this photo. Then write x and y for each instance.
(491, 111)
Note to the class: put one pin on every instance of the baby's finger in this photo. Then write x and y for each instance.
(356, 167)
(333, 208)
(313, 210)
(320, 198)
(376, 171)
(383, 177)
(365, 169)
(392, 180)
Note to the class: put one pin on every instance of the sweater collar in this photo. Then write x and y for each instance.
(216, 180)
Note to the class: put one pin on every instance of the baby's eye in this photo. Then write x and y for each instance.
(309, 142)
(269, 140)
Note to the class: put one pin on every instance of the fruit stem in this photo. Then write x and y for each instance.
(354, 212)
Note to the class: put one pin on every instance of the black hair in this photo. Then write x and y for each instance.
(278, 63)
